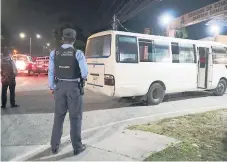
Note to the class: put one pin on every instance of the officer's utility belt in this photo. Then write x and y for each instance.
(64, 80)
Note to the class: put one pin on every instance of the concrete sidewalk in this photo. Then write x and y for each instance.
(128, 145)
(115, 143)
(118, 119)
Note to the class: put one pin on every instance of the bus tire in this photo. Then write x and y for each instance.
(155, 94)
(221, 88)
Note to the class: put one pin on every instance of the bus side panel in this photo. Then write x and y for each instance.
(219, 71)
(210, 72)
(127, 80)
(183, 77)
(135, 79)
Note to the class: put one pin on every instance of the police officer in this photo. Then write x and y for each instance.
(67, 69)
(8, 74)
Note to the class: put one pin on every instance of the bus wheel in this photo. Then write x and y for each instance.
(155, 94)
(221, 88)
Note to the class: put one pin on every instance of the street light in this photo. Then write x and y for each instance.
(215, 29)
(48, 44)
(166, 19)
(22, 35)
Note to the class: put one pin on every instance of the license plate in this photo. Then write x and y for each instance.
(95, 77)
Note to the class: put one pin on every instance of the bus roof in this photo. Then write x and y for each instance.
(146, 36)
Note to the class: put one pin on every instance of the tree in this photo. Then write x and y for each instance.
(79, 45)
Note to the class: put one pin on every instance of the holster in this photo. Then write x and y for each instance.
(55, 80)
(81, 86)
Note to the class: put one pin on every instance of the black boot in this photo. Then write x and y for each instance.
(14, 106)
(54, 151)
(79, 150)
(3, 107)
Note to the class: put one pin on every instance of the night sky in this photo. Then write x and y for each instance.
(42, 16)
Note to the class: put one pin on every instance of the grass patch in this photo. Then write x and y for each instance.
(203, 136)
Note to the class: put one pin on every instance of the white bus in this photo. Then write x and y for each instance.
(125, 64)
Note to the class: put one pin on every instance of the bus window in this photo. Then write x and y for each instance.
(161, 53)
(175, 52)
(146, 50)
(187, 54)
(219, 55)
(127, 51)
(202, 57)
(98, 47)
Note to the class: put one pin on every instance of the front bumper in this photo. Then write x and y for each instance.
(41, 70)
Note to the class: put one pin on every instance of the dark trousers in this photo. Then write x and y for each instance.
(11, 84)
(67, 97)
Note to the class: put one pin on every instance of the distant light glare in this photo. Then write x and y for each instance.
(166, 19)
(22, 35)
(215, 29)
(48, 44)
(38, 36)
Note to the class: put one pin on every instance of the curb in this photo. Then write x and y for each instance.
(31, 154)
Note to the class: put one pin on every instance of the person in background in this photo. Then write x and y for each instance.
(8, 75)
(67, 70)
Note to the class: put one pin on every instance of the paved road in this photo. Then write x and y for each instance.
(29, 126)
(25, 83)
(33, 96)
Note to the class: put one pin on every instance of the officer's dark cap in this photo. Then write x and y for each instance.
(69, 33)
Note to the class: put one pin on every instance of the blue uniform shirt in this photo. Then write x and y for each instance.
(79, 57)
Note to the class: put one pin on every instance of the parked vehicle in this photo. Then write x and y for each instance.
(42, 64)
(24, 64)
(124, 64)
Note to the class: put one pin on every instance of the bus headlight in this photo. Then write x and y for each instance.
(109, 80)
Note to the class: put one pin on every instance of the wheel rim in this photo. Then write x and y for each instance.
(156, 95)
(221, 88)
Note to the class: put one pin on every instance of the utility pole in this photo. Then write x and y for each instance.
(30, 46)
(114, 25)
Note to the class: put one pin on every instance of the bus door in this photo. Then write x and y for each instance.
(203, 67)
